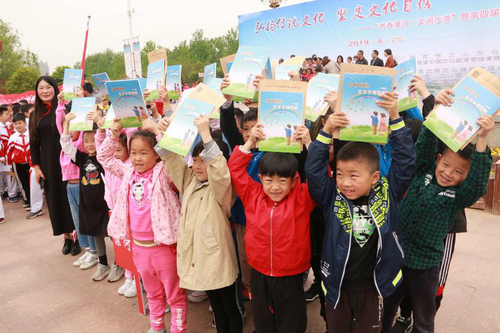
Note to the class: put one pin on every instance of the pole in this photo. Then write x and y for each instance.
(82, 64)
(131, 40)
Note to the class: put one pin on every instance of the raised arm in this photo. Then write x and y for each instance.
(227, 121)
(106, 152)
(65, 140)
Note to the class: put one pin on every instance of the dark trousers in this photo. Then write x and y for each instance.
(22, 172)
(227, 309)
(317, 235)
(421, 286)
(356, 312)
(278, 303)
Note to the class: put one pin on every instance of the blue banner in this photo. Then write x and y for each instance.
(448, 38)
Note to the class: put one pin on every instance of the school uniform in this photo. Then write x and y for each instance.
(19, 156)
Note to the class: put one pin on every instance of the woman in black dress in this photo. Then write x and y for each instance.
(45, 154)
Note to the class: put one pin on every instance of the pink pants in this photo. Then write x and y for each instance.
(158, 269)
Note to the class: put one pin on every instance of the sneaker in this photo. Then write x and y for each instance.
(5, 195)
(75, 248)
(125, 286)
(13, 199)
(101, 272)
(167, 309)
(28, 208)
(403, 325)
(25, 204)
(32, 215)
(163, 330)
(197, 296)
(116, 273)
(312, 293)
(90, 261)
(2, 220)
(78, 262)
(68, 244)
(131, 291)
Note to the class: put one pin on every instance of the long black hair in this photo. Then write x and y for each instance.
(40, 108)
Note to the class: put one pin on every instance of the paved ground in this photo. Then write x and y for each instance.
(40, 290)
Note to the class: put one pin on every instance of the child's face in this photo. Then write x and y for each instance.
(276, 187)
(200, 169)
(451, 169)
(247, 128)
(354, 178)
(89, 142)
(142, 156)
(121, 153)
(20, 126)
(5, 116)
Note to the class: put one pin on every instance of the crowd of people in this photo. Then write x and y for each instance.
(376, 224)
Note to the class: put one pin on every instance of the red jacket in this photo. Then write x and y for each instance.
(18, 149)
(277, 241)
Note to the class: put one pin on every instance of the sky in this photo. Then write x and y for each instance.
(55, 29)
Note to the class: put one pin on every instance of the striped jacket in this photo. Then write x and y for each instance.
(18, 148)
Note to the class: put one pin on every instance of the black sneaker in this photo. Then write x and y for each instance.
(5, 195)
(13, 199)
(75, 248)
(403, 325)
(312, 293)
(68, 244)
(35, 214)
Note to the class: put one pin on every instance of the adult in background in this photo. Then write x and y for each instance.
(376, 61)
(361, 58)
(390, 62)
(45, 151)
(329, 66)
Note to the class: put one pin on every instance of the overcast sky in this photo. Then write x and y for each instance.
(55, 29)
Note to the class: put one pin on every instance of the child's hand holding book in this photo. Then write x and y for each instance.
(163, 124)
(202, 123)
(335, 121)
(302, 133)
(256, 134)
(116, 129)
(418, 85)
(487, 123)
(444, 97)
(390, 103)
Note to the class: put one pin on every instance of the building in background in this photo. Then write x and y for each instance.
(43, 67)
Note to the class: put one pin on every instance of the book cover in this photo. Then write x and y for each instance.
(209, 73)
(290, 65)
(456, 125)
(249, 62)
(81, 107)
(128, 103)
(156, 79)
(215, 86)
(182, 132)
(317, 88)
(101, 79)
(72, 80)
(405, 72)
(281, 111)
(143, 82)
(226, 63)
(110, 116)
(156, 55)
(173, 84)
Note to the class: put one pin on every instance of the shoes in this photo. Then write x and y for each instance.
(197, 296)
(5, 195)
(25, 204)
(403, 325)
(2, 220)
(28, 208)
(101, 272)
(68, 244)
(78, 262)
(75, 248)
(131, 291)
(13, 199)
(125, 286)
(35, 214)
(163, 330)
(116, 273)
(312, 293)
(90, 261)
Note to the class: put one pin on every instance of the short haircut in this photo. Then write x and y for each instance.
(146, 136)
(361, 51)
(26, 107)
(360, 151)
(375, 51)
(222, 146)
(19, 117)
(3, 109)
(239, 115)
(349, 57)
(87, 86)
(465, 153)
(278, 164)
(251, 115)
(388, 51)
(23, 101)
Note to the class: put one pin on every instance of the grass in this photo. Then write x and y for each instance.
(68, 96)
(173, 95)
(80, 126)
(130, 122)
(174, 145)
(278, 145)
(312, 116)
(153, 95)
(362, 134)
(238, 89)
(405, 104)
(443, 131)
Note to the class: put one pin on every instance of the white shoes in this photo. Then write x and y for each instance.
(125, 286)
(101, 272)
(197, 296)
(116, 273)
(78, 262)
(131, 291)
(90, 261)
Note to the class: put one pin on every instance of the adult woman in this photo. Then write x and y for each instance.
(45, 151)
(390, 62)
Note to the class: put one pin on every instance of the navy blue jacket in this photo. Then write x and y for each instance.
(383, 200)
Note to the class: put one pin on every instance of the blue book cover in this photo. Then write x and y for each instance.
(72, 80)
(101, 79)
(406, 71)
(368, 121)
(455, 125)
(155, 79)
(81, 107)
(317, 88)
(143, 82)
(229, 65)
(174, 85)
(182, 132)
(128, 103)
(283, 71)
(209, 73)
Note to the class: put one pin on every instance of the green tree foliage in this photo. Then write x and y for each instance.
(107, 61)
(58, 74)
(23, 79)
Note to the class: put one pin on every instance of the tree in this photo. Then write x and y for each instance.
(58, 74)
(23, 79)
(108, 61)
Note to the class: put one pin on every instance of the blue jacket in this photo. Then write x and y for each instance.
(337, 209)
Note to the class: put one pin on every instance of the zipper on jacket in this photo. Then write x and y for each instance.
(271, 237)
(396, 238)
(379, 249)
(348, 253)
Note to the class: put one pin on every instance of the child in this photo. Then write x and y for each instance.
(440, 189)
(207, 255)
(277, 240)
(374, 122)
(93, 211)
(459, 128)
(382, 126)
(288, 133)
(150, 219)
(5, 133)
(362, 256)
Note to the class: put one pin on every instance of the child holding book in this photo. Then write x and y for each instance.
(362, 254)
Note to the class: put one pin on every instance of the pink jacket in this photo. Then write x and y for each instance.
(165, 205)
(68, 169)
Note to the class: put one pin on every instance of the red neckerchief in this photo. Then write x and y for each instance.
(49, 108)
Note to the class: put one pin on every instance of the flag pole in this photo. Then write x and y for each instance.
(82, 64)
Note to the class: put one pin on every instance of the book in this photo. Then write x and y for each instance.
(209, 73)
(72, 80)
(155, 79)
(476, 95)
(81, 107)
(173, 81)
(215, 86)
(143, 82)
(248, 62)
(226, 63)
(317, 88)
(405, 72)
(281, 111)
(127, 101)
(110, 116)
(204, 94)
(101, 79)
(282, 71)
(182, 132)
(156, 55)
